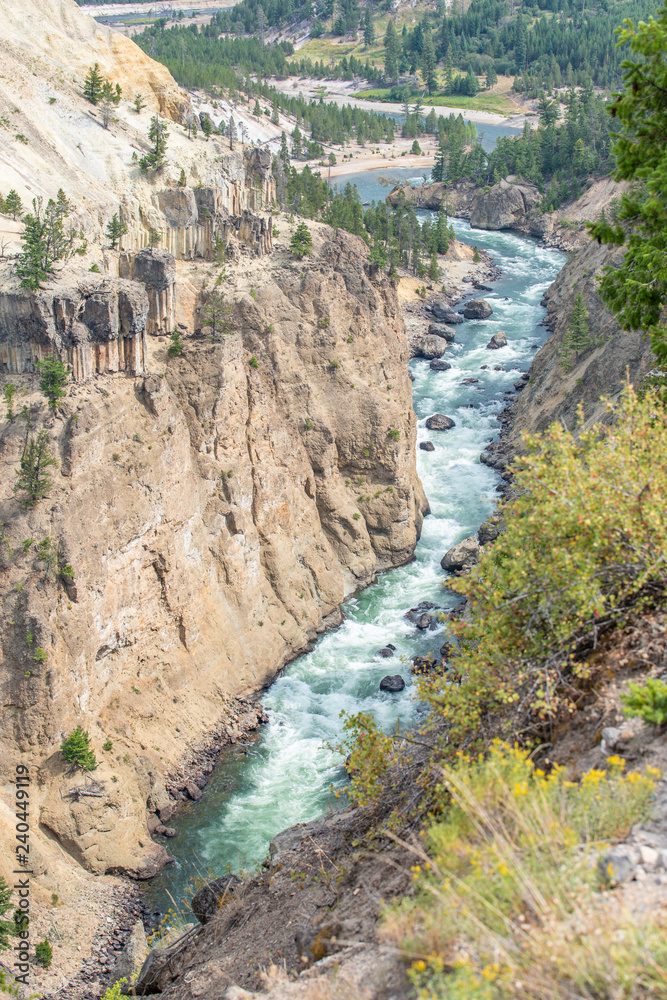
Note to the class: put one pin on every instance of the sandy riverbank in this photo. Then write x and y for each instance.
(342, 92)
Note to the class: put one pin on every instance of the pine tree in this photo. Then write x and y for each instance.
(391, 47)
(8, 394)
(158, 136)
(275, 120)
(284, 151)
(296, 142)
(442, 231)
(369, 33)
(92, 87)
(301, 243)
(257, 111)
(115, 231)
(429, 63)
(139, 104)
(44, 241)
(34, 482)
(54, 378)
(107, 103)
(433, 269)
(216, 311)
(439, 169)
(577, 337)
(77, 749)
(206, 125)
(176, 346)
(231, 131)
(13, 204)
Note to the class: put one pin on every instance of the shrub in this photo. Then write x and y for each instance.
(254, 363)
(77, 749)
(176, 346)
(301, 243)
(54, 376)
(647, 701)
(506, 902)
(44, 953)
(586, 540)
(107, 745)
(394, 434)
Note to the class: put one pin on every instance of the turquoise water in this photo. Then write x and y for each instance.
(284, 777)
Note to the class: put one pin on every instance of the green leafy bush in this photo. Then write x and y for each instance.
(77, 749)
(648, 701)
(586, 540)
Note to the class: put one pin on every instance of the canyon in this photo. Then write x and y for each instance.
(215, 506)
(207, 503)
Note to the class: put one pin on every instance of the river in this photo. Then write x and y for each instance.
(285, 776)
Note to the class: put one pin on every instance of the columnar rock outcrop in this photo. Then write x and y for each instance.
(97, 324)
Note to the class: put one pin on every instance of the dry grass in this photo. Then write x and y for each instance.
(509, 899)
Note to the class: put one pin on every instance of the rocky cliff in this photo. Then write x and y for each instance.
(515, 204)
(555, 391)
(214, 520)
(208, 512)
(51, 137)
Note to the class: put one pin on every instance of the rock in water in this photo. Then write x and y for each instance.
(439, 422)
(422, 664)
(385, 651)
(445, 332)
(445, 314)
(206, 903)
(477, 309)
(429, 347)
(497, 340)
(427, 446)
(438, 365)
(466, 553)
(392, 683)
(423, 621)
(193, 791)
(488, 531)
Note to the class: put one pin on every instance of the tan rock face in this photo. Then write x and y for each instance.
(214, 518)
(61, 33)
(556, 394)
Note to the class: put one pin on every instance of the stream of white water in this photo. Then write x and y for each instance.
(285, 776)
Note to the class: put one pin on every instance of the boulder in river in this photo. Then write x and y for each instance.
(427, 446)
(438, 365)
(193, 791)
(429, 347)
(213, 896)
(465, 553)
(477, 309)
(392, 683)
(439, 330)
(448, 649)
(499, 339)
(445, 313)
(385, 651)
(424, 621)
(489, 530)
(439, 422)
(423, 664)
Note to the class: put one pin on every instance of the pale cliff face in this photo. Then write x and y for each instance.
(208, 513)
